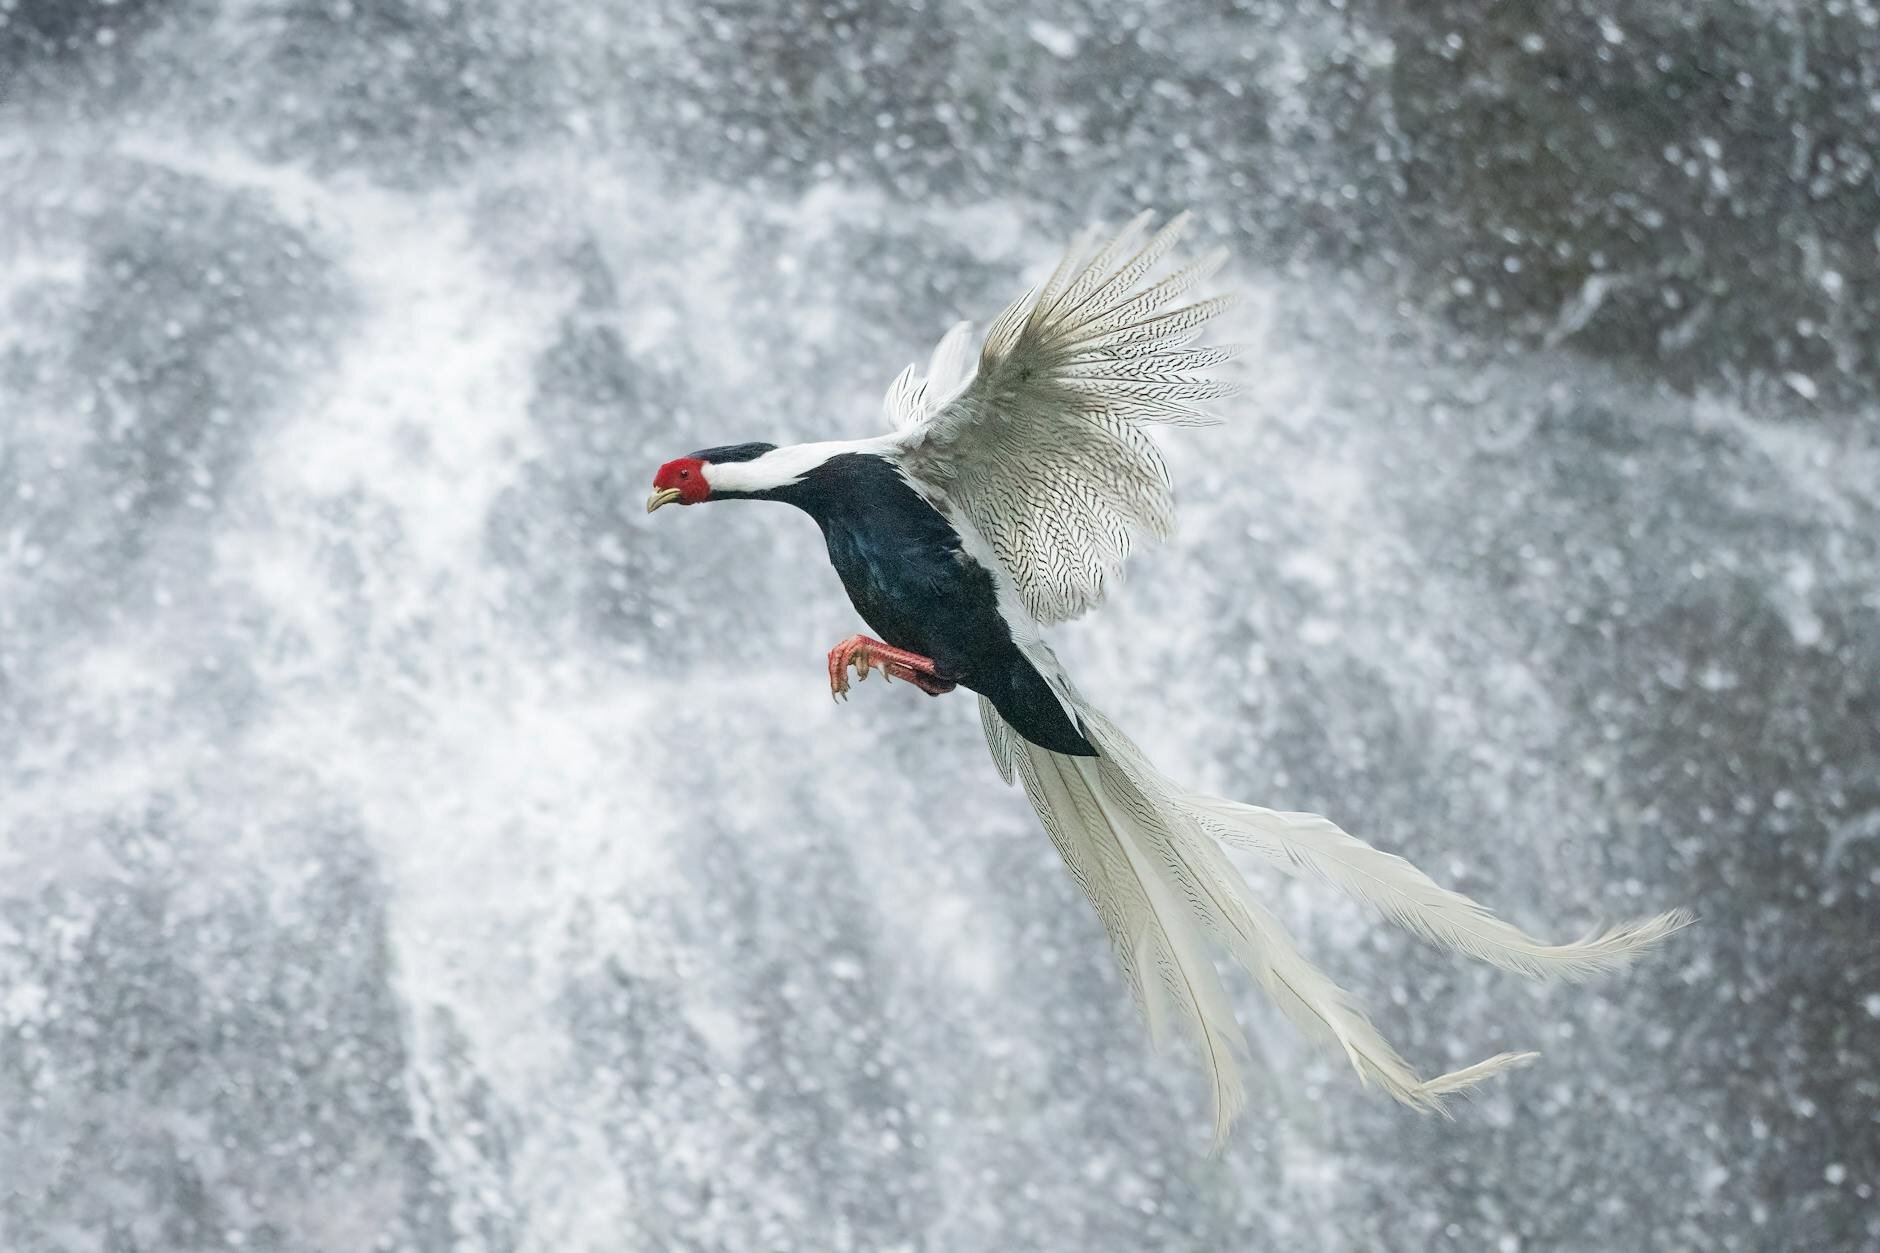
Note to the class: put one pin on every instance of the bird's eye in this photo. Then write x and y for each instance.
(685, 474)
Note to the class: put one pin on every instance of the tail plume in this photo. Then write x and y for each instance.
(1147, 854)
(1308, 845)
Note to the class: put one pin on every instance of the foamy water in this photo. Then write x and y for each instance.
(408, 843)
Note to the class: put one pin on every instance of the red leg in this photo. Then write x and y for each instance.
(894, 663)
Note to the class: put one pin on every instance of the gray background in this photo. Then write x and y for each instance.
(407, 844)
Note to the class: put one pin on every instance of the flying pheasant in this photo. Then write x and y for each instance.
(1006, 498)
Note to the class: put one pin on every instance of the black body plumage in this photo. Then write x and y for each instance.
(917, 588)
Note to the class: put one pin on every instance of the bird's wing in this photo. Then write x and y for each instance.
(1044, 446)
(914, 397)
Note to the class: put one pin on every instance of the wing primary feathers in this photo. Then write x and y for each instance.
(1126, 311)
(1061, 277)
(1164, 328)
(1091, 277)
(1132, 271)
(1003, 334)
(1045, 448)
(1183, 361)
(1150, 388)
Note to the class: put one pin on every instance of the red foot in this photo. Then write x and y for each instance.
(894, 663)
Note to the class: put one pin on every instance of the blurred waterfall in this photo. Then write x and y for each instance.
(407, 844)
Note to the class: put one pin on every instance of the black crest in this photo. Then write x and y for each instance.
(733, 452)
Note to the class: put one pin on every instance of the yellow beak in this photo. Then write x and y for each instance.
(664, 496)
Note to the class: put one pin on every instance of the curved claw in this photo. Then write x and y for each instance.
(866, 655)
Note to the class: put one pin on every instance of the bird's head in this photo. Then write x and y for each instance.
(708, 475)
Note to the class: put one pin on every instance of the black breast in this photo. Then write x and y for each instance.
(903, 566)
(916, 588)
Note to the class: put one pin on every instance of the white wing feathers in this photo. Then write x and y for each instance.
(913, 398)
(1044, 447)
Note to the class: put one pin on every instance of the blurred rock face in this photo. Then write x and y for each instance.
(407, 844)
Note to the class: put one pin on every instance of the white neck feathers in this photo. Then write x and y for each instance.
(780, 467)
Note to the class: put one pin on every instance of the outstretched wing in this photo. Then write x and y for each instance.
(1044, 448)
(913, 397)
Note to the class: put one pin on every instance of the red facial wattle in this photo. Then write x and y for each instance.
(686, 476)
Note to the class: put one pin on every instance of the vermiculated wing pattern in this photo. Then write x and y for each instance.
(1045, 449)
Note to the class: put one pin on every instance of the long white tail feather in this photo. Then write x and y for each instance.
(1319, 1007)
(1461, 1082)
(1111, 858)
(1144, 852)
(1121, 907)
(1309, 845)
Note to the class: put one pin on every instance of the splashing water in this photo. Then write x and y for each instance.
(404, 843)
